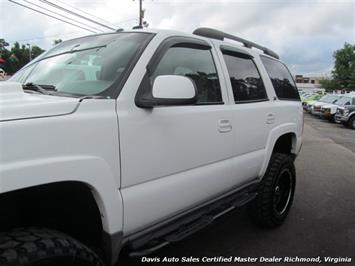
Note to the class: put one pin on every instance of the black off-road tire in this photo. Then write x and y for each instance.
(44, 247)
(264, 209)
(351, 122)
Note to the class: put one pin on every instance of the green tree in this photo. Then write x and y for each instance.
(344, 68)
(17, 55)
(36, 51)
(329, 84)
(3, 45)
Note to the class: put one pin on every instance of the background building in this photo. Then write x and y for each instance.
(310, 84)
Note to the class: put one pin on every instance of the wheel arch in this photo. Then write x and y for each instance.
(282, 139)
(81, 179)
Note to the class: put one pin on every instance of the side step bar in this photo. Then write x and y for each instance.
(186, 229)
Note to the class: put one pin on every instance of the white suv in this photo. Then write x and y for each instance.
(139, 138)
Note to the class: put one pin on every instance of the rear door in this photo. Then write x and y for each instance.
(253, 116)
(175, 157)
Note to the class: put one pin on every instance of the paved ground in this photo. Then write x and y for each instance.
(336, 132)
(321, 222)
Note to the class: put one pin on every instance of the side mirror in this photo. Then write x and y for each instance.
(170, 90)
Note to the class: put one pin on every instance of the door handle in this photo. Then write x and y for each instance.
(270, 118)
(224, 125)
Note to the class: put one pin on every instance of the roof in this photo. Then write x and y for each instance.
(207, 34)
(217, 36)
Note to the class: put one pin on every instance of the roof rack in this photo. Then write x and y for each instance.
(220, 35)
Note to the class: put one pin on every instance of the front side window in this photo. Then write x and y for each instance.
(85, 66)
(281, 79)
(196, 64)
(245, 79)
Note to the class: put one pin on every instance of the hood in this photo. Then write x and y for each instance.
(320, 103)
(16, 104)
(330, 105)
(311, 102)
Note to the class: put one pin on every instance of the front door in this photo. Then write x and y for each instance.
(174, 157)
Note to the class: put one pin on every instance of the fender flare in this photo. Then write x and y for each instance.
(274, 135)
(90, 170)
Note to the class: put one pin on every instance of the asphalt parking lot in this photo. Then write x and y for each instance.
(321, 222)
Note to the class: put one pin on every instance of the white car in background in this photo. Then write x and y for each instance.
(329, 110)
(327, 99)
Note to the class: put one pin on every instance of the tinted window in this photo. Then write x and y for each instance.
(196, 64)
(245, 79)
(281, 79)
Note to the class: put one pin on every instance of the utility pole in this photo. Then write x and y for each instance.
(142, 23)
(29, 51)
(141, 14)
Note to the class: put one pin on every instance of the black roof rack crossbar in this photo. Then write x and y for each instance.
(220, 35)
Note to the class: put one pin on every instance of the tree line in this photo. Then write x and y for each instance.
(15, 57)
(343, 73)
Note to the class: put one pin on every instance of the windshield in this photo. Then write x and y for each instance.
(344, 101)
(331, 99)
(336, 99)
(85, 66)
(324, 99)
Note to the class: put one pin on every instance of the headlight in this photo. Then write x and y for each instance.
(346, 111)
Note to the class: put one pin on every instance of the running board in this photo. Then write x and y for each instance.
(194, 226)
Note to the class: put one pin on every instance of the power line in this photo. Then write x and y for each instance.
(82, 11)
(76, 14)
(61, 15)
(43, 13)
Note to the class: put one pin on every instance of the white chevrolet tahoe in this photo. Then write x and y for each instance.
(137, 139)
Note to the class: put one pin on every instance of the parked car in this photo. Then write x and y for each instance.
(329, 110)
(309, 101)
(346, 114)
(305, 95)
(151, 148)
(327, 99)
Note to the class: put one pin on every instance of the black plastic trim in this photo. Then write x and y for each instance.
(175, 41)
(139, 239)
(234, 51)
(220, 35)
(252, 101)
(112, 244)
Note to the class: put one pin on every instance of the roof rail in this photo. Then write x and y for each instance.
(220, 35)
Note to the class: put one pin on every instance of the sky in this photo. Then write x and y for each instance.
(304, 33)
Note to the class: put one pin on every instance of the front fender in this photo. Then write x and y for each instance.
(90, 170)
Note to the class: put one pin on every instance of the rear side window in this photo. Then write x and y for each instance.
(281, 79)
(244, 77)
(196, 64)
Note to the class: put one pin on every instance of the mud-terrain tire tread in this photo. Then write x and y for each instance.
(350, 122)
(28, 246)
(261, 208)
